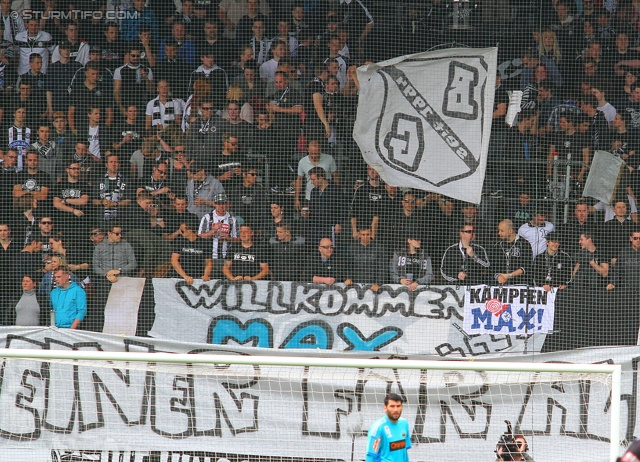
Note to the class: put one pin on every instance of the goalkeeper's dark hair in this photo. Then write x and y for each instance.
(393, 397)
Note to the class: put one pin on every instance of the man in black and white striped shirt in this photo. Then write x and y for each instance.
(163, 110)
(18, 136)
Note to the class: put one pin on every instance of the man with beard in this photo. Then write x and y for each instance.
(389, 437)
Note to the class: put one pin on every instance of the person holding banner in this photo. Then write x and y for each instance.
(465, 262)
(512, 257)
(389, 437)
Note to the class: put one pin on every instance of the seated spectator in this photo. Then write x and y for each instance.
(465, 262)
(367, 262)
(536, 230)
(325, 267)
(411, 266)
(286, 254)
(511, 258)
(191, 257)
(246, 260)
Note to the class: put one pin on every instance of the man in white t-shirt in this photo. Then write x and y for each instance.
(535, 232)
(314, 159)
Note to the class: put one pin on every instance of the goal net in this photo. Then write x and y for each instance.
(197, 408)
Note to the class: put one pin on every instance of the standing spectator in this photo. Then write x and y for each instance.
(11, 20)
(163, 111)
(315, 159)
(59, 78)
(260, 45)
(580, 222)
(112, 49)
(552, 268)
(535, 232)
(511, 259)
(201, 190)
(325, 267)
(357, 20)
(411, 266)
(169, 70)
(32, 181)
(79, 49)
(47, 150)
(465, 262)
(204, 135)
(127, 134)
(269, 68)
(589, 279)
(570, 145)
(27, 310)
(18, 136)
(287, 253)
(615, 232)
(68, 300)
(38, 82)
(367, 263)
(71, 200)
(624, 280)
(139, 15)
(366, 203)
(221, 228)
(222, 47)
(228, 163)
(33, 40)
(186, 47)
(132, 82)
(246, 260)
(212, 73)
(191, 258)
(326, 207)
(95, 133)
(230, 12)
(112, 192)
(248, 198)
(90, 94)
(247, 22)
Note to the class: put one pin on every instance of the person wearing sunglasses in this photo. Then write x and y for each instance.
(112, 259)
(465, 262)
(205, 132)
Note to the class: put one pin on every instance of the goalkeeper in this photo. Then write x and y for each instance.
(389, 437)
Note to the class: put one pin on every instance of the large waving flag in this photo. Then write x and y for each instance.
(424, 119)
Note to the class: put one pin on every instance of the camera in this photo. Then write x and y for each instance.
(510, 446)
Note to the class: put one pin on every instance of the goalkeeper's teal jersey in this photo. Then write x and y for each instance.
(388, 441)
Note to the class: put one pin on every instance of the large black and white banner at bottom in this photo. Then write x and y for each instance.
(54, 411)
(436, 320)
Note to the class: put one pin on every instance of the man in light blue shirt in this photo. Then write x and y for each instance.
(389, 437)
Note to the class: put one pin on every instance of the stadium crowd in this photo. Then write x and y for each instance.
(212, 140)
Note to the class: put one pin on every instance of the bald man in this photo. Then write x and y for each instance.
(512, 257)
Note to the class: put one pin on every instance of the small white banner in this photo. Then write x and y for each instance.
(509, 310)
(424, 120)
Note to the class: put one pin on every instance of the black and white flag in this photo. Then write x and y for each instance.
(424, 119)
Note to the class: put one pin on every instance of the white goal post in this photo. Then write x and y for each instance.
(96, 405)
